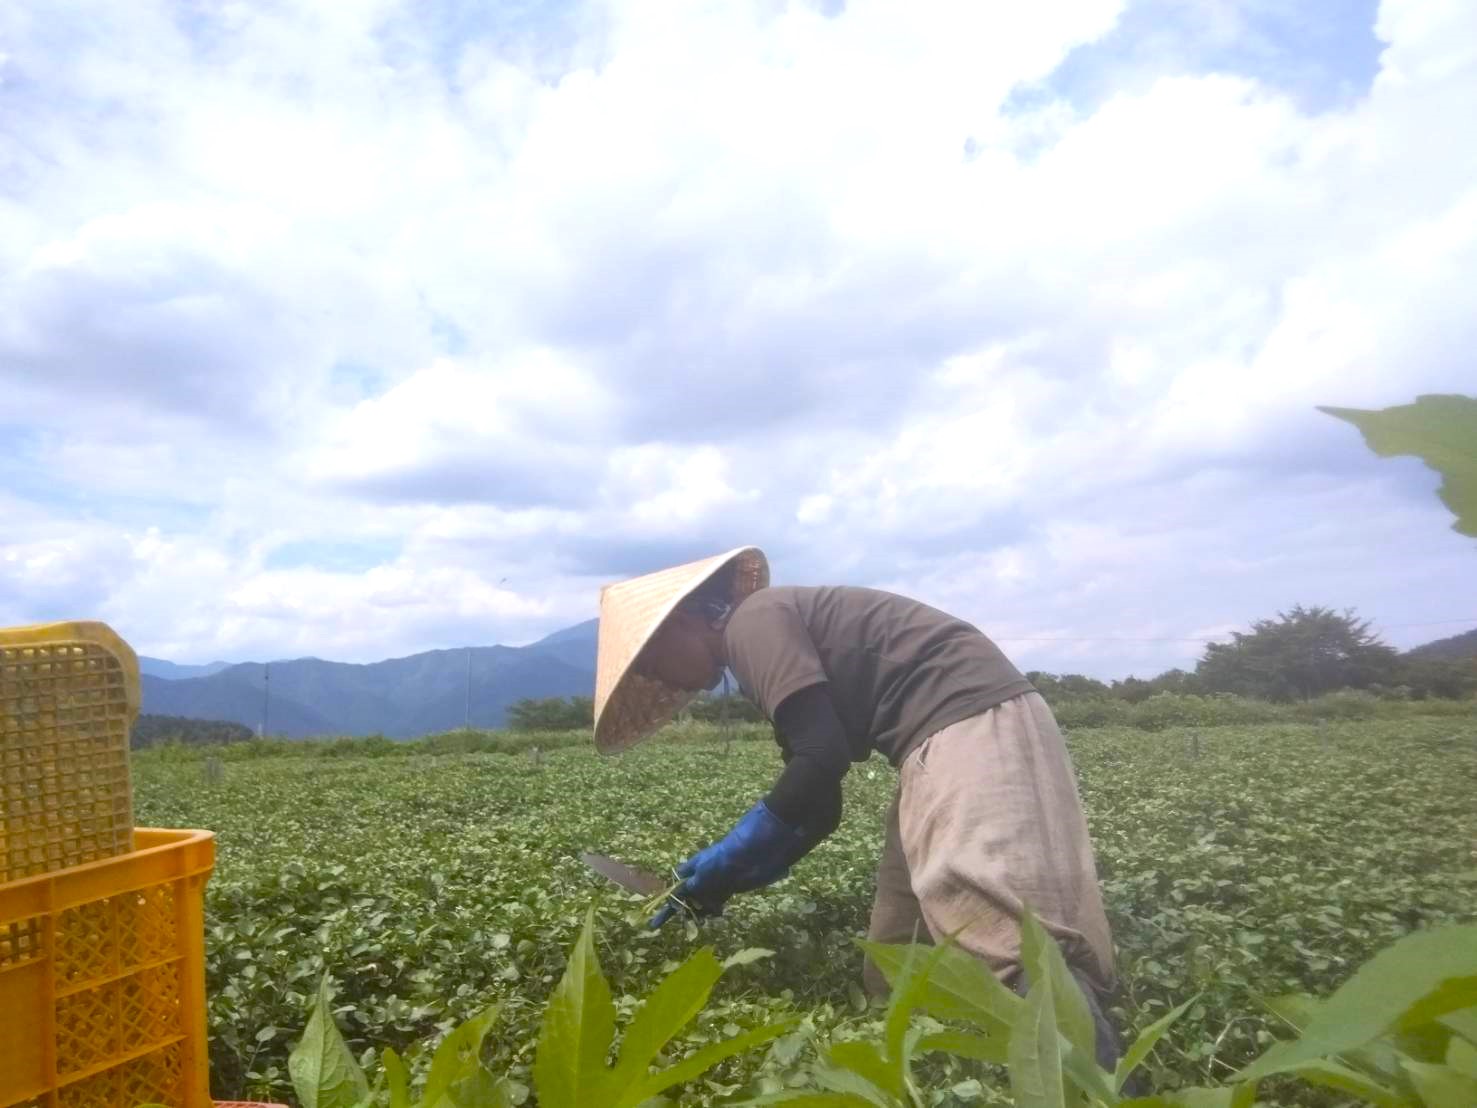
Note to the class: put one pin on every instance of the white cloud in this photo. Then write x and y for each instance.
(288, 289)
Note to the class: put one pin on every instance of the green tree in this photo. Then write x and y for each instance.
(152, 730)
(732, 708)
(1301, 654)
(1135, 690)
(554, 713)
(1176, 681)
(1425, 676)
(1064, 686)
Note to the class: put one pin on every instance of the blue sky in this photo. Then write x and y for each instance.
(1323, 56)
(364, 328)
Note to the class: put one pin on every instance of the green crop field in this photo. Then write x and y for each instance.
(1238, 862)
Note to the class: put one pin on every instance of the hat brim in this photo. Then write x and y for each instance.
(631, 706)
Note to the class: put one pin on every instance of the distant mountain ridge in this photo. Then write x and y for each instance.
(174, 671)
(398, 697)
(1457, 646)
(422, 693)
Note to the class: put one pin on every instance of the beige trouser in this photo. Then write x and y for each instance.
(987, 819)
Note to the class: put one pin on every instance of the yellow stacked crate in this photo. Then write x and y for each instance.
(69, 693)
(102, 972)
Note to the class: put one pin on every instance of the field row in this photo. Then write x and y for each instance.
(1236, 862)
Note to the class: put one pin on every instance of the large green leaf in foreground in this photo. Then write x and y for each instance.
(1441, 430)
(1422, 977)
(569, 1070)
(324, 1071)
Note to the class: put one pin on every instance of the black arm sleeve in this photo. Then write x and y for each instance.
(808, 792)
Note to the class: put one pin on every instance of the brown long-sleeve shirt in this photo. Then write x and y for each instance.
(897, 669)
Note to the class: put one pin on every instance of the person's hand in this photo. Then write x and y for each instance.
(757, 852)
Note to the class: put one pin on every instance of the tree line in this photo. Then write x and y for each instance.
(1300, 655)
(557, 713)
(151, 730)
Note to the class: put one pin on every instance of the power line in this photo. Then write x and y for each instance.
(1433, 623)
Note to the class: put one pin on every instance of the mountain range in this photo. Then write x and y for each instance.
(174, 671)
(401, 697)
(418, 695)
(1457, 646)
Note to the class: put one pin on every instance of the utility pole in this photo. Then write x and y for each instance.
(266, 697)
(501, 581)
(467, 722)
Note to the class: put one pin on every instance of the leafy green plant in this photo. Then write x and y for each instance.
(1402, 1031)
(1442, 432)
(570, 1070)
(1238, 862)
(1045, 1039)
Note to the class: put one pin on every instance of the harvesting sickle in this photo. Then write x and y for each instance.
(986, 813)
(627, 877)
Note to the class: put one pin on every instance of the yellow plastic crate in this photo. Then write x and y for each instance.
(102, 980)
(69, 693)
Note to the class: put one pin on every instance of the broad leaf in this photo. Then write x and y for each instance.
(1084, 1072)
(958, 986)
(1228, 1096)
(579, 1023)
(1044, 964)
(1145, 1042)
(1442, 1086)
(1035, 1055)
(457, 1061)
(1442, 432)
(1464, 1023)
(964, 1044)
(1377, 1060)
(1462, 1057)
(481, 1090)
(669, 1008)
(907, 992)
(1426, 1042)
(1297, 1009)
(1231, 1096)
(324, 1073)
(374, 1096)
(396, 1078)
(808, 1100)
(746, 956)
(1453, 994)
(1410, 976)
(864, 1059)
(834, 1079)
(709, 1056)
(1333, 1075)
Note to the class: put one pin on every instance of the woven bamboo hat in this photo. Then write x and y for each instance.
(628, 705)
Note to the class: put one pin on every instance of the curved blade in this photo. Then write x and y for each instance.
(627, 877)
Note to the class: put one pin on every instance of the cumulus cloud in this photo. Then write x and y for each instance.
(372, 327)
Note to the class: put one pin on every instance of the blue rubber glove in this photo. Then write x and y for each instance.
(757, 852)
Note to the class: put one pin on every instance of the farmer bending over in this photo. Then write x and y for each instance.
(986, 817)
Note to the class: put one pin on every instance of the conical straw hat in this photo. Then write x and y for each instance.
(628, 705)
